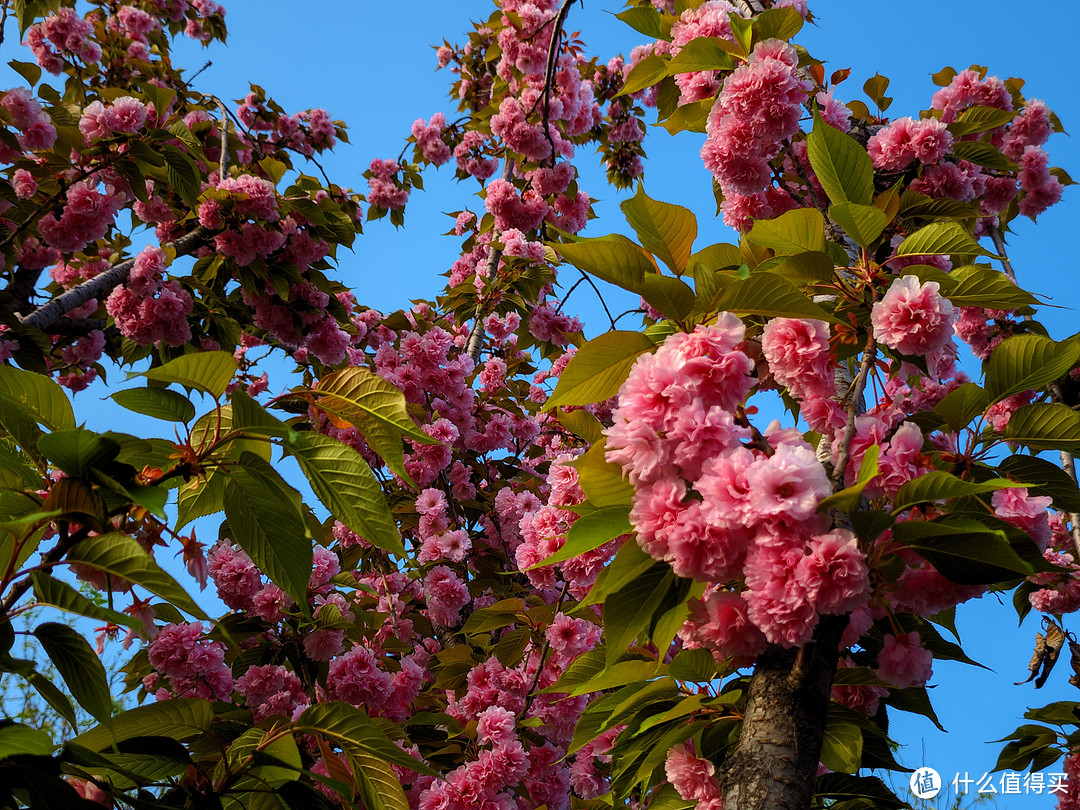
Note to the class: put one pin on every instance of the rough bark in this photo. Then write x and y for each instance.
(774, 765)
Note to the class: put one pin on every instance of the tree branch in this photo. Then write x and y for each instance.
(549, 72)
(852, 401)
(48, 314)
(476, 335)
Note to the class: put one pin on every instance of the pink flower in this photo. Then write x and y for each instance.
(789, 483)
(913, 318)
(720, 623)
(693, 777)
(903, 662)
(126, 114)
(834, 574)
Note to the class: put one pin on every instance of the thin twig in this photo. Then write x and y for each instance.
(549, 72)
(223, 163)
(476, 336)
(3, 20)
(853, 400)
(46, 315)
(603, 303)
(999, 245)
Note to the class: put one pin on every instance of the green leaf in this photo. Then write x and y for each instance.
(250, 417)
(610, 677)
(601, 480)
(630, 561)
(770, 296)
(614, 259)
(981, 286)
(598, 369)
(646, 73)
(75, 499)
(850, 498)
(688, 118)
(628, 612)
(180, 719)
(714, 257)
(980, 119)
(670, 296)
(379, 788)
(863, 223)
(941, 239)
(809, 266)
(964, 551)
(696, 666)
(199, 498)
(1046, 478)
(666, 230)
(354, 731)
(28, 70)
(795, 231)
(209, 372)
(79, 666)
(58, 594)
(78, 451)
(1024, 362)
(121, 556)
(160, 403)
(182, 174)
(643, 20)
(267, 521)
(962, 405)
(841, 745)
(590, 531)
(982, 154)
(1045, 426)
(60, 702)
(777, 23)
(16, 740)
(359, 397)
(45, 400)
(700, 54)
(915, 700)
(938, 485)
(582, 424)
(346, 486)
(842, 166)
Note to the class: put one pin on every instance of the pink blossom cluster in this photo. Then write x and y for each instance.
(904, 662)
(384, 189)
(62, 35)
(903, 140)
(757, 109)
(124, 115)
(87, 216)
(694, 778)
(429, 139)
(36, 130)
(720, 510)
(710, 19)
(913, 318)
(271, 690)
(1041, 189)
(194, 665)
(967, 89)
(148, 309)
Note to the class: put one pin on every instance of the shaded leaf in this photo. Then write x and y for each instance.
(1045, 426)
(44, 398)
(160, 403)
(79, 666)
(666, 230)
(77, 451)
(178, 719)
(770, 296)
(614, 259)
(670, 296)
(863, 223)
(1023, 362)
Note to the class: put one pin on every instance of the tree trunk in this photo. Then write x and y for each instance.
(776, 760)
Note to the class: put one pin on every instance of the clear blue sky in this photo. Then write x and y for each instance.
(372, 65)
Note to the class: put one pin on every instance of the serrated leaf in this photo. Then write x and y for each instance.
(376, 408)
(700, 54)
(159, 403)
(182, 173)
(591, 531)
(666, 230)
(56, 593)
(645, 73)
(770, 296)
(964, 551)
(938, 485)
(121, 556)
(78, 451)
(841, 745)
(795, 231)
(980, 119)
(982, 286)
(941, 239)
(962, 405)
(601, 480)
(346, 486)
(982, 154)
(863, 223)
(697, 666)
(376, 783)
(672, 297)
(643, 20)
(1045, 426)
(267, 521)
(354, 731)
(1046, 478)
(1023, 362)
(842, 166)
(46, 401)
(598, 369)
(582, 424)
(179, 719)
(614, 259)
(79, 666)
(777, 23)
(16, 740)
(209, 372)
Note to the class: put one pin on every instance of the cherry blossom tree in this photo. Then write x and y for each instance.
(552, 572)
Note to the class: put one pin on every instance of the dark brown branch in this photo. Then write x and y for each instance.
(78, 327)
(549, 72)
(999, 245)
(852, 401)
(476, 335)
(45, 316)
